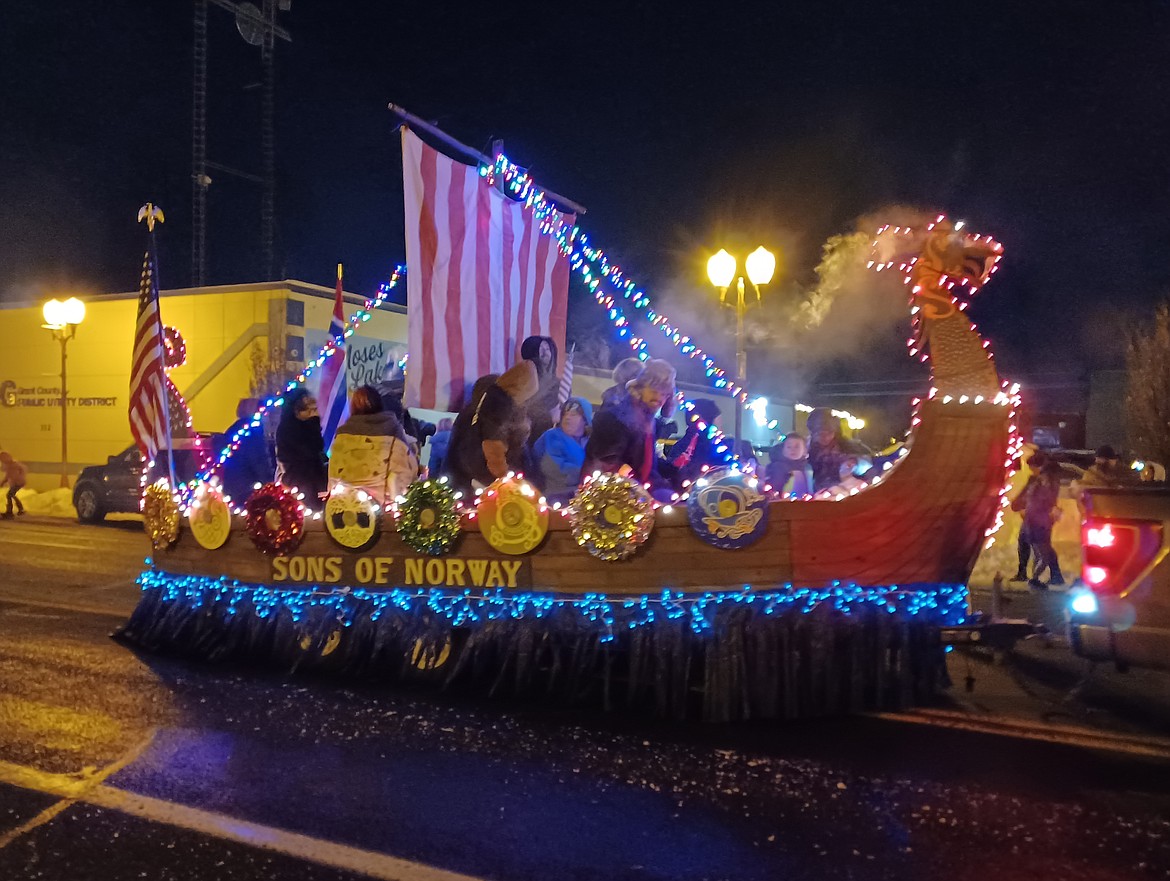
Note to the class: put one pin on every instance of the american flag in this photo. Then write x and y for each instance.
(332, 397)
(149, 421)
(481, 278)
(566, 388)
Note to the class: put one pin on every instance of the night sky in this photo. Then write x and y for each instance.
(682, 128)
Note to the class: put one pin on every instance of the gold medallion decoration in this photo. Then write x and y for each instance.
(160, 515)
(351, 518)
(512, 516)
(210, 518)
(612, 515)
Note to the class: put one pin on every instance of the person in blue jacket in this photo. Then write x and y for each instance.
(560, 451)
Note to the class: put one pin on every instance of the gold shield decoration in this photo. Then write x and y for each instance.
(512, 516)
(210, 518)
(351, 518)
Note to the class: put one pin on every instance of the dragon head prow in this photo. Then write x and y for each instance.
(941, 254)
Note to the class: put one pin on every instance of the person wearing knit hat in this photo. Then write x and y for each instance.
(559, 453)
(491, 432)
(623, 434)
(626, 369)
(695, 449)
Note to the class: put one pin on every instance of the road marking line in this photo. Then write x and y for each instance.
(72, 786)
(86, 788)
(1066, 735)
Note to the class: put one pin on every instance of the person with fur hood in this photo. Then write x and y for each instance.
(371, 450)
(559, 453)
(490, 436)
(543, 407)
(624, 433)
(832, 456)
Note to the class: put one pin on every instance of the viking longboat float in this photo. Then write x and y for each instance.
(728, 603)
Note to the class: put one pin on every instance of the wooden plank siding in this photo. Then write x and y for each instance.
(924, 522)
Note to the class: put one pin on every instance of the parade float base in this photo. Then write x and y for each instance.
(836, 608)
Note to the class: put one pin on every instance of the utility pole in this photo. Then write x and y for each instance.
(259, 28)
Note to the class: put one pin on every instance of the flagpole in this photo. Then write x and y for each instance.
(150, 221)
(440, 135)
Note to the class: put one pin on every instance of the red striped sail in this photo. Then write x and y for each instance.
(480, 278)
(148, 395)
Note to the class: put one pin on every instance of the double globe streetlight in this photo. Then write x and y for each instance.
(721, 267)
(62, 318)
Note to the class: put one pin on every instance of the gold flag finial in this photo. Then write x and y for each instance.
(150, 213)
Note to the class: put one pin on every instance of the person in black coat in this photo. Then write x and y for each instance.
(623, 435)
(300, 450)
(695, 448)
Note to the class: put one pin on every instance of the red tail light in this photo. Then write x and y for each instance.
(1118, 553)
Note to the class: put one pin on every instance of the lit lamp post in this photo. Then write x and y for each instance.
(761, 266)
(62, 319)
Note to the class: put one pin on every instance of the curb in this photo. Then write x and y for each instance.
(1068, 735)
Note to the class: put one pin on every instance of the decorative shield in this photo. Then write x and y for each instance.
(512, 516)
(727, 508)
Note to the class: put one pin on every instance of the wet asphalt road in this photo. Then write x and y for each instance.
(247, 774)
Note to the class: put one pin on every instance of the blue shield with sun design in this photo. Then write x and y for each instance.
(728, 508)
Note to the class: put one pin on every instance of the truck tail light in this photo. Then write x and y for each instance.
(1119, 553)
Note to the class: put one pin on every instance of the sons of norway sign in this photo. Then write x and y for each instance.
(402, 571)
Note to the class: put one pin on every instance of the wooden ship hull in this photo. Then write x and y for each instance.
(836, 607)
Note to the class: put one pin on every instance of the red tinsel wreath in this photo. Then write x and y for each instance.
(274, 519)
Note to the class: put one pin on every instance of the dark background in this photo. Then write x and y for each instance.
(682, 127)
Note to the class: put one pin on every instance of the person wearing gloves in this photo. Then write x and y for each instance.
(371, 451)
(490, 436)
(560, 452)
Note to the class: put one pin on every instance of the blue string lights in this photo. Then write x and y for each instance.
(943, 604)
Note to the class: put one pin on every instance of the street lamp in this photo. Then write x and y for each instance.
(761, 266)
(62, 319)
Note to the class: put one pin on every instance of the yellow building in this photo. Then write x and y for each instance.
(234, 334)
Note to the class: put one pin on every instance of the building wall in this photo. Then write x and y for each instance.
(220, 326)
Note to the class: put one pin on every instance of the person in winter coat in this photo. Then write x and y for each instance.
(371, 451)
(252, 461)
(622, 439)
(543, 406)
(439, 444)
(1019, 504)
(788, 471)
(1040, 516)
(490, 435)
(300, 451)
(695, 449)
(829, 450)
(15, 475)
(559, 453)
(626, 369)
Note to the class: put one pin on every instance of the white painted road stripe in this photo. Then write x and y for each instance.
(222, 826)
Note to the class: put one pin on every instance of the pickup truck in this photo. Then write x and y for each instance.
(1122, 613)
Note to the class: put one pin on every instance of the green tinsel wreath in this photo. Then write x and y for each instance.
(427, 519)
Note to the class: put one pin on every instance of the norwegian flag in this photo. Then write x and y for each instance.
(481, 277)
(333, 398)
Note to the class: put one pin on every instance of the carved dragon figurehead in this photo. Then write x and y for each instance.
(935, 260)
